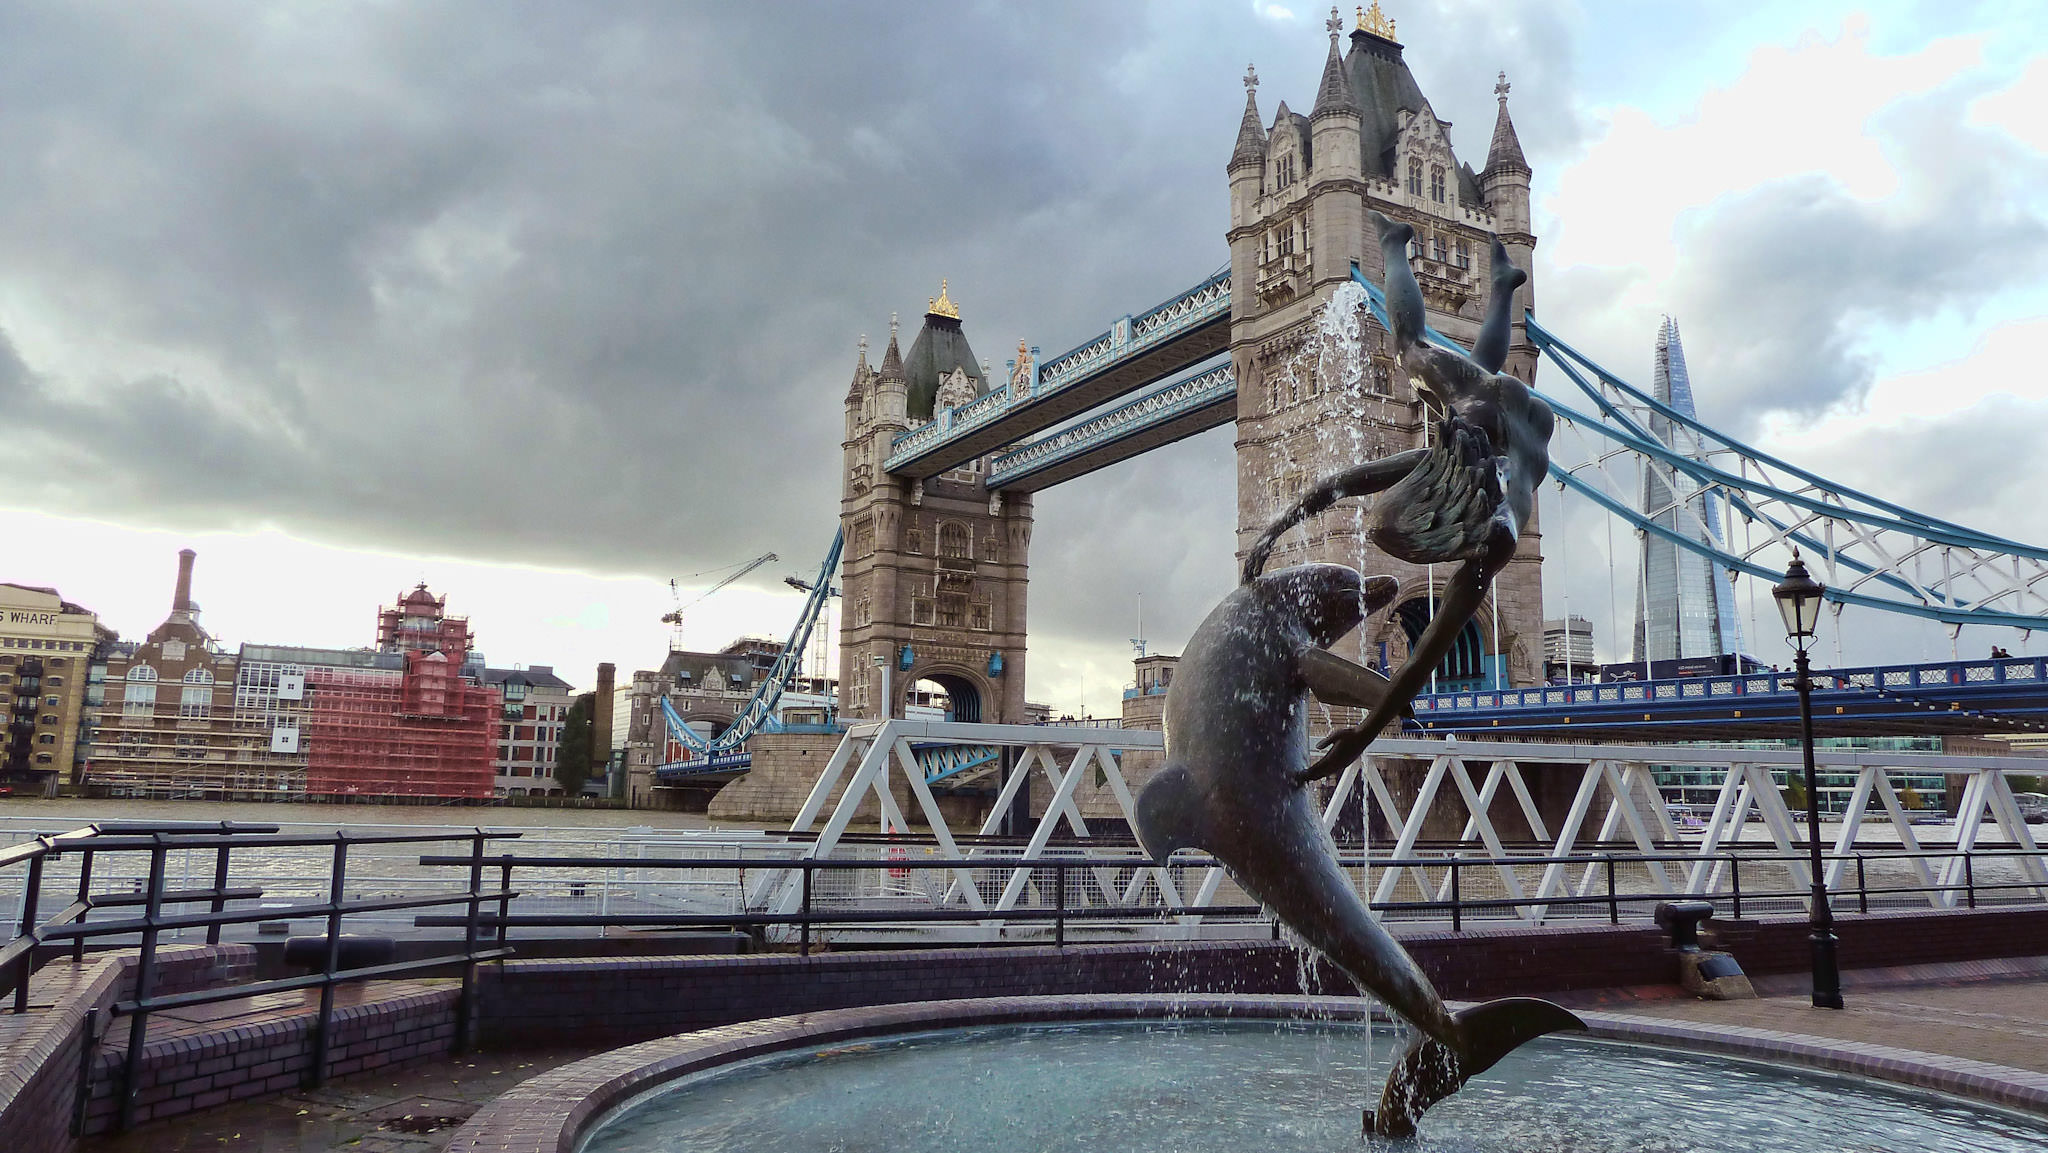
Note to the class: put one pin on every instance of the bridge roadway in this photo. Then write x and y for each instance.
(1953, 698)
(1136, 353)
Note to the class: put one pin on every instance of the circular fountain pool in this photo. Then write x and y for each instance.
(1233, 1086)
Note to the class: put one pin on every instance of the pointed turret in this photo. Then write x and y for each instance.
(1251, 134)
(1334, 96)
(1504, 183)
(861, 372)
(892, 360)
(1505, 154)
(892, 386)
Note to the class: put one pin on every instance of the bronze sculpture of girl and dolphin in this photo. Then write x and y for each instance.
(1235, 782)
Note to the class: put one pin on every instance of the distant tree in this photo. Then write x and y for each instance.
(1910, 798)
(2026, 784)
(572, 762)
(1795, 794)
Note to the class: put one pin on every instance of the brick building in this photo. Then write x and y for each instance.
(529, 729)
(168, 727)
(49, 697)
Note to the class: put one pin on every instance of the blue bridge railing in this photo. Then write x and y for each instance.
(1902, 679)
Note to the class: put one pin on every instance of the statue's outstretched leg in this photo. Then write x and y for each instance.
(1490, 351)
(1404, 295)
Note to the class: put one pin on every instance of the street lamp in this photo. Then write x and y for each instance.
(888, 704)
(1799, 599)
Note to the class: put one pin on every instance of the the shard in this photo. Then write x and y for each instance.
(1685, 606)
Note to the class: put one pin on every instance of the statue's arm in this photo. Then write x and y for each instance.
(1335, 680)
(1362, 480)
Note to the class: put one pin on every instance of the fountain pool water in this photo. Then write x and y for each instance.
(1232, 1087)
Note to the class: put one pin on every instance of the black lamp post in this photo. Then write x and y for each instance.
(1799, 599)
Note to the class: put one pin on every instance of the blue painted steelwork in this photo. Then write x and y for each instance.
(1203, 391)
(716, 763)
(945, 762)
(760, 708)
(1967, 696)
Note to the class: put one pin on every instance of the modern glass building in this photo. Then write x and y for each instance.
(1685, 607)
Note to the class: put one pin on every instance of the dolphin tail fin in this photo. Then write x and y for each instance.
(1495, 1029)
(1168, 812)
(1431, 1071)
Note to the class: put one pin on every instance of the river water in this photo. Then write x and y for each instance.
(20, 813)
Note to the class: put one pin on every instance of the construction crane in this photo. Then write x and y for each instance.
(818, 656)
(674, 617)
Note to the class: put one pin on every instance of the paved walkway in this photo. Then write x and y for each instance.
(413, 1110)
(1992, 1012)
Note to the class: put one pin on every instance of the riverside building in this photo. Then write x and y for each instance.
(185, 717)
(168, 725)
(536, 702)
(51, 652)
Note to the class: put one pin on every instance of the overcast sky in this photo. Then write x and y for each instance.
(546, 304)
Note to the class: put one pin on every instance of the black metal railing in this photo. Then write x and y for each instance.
(75, 924)
(1457, 902)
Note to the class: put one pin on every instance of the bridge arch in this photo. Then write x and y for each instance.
(966, 691)
(1465, 665)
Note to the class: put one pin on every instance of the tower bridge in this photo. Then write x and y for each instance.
(942, 455)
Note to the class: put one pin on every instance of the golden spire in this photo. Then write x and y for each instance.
(1376, 22)
(943, 306)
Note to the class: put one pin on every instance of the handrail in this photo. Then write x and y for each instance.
(809, 915)
(73, 922)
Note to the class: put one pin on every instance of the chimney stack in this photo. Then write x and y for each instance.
(601, 717)
(181, 601)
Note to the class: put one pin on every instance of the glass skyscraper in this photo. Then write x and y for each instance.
(1685, 606)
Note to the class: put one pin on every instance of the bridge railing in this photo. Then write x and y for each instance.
(1203, 302)
(1902, 679)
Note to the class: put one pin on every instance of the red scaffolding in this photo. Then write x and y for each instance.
(423, 732)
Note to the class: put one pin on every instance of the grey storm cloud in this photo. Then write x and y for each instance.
(580, 284)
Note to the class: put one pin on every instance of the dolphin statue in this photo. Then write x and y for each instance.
(1236, 742)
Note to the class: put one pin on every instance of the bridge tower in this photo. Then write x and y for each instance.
(1300, 192)
(934, 570)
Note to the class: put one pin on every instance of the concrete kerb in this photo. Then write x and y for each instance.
(553, 1112)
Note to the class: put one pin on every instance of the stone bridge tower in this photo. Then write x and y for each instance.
(1300, 191)
(934, 571)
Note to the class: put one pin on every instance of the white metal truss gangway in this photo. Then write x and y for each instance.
(1547, 864)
